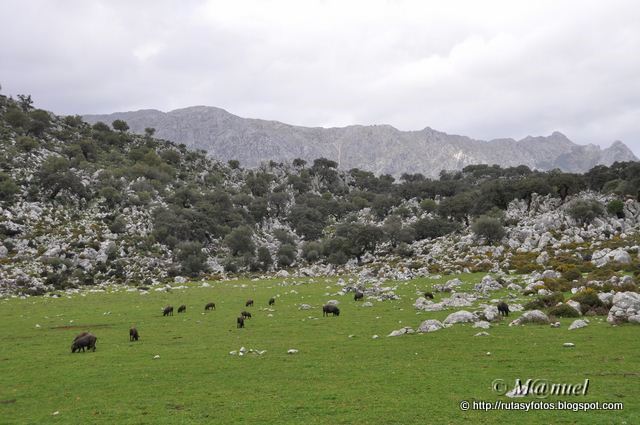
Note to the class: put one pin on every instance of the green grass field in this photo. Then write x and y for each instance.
(333, 379)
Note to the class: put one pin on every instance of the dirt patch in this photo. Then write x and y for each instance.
(81, 326)
(13, 400)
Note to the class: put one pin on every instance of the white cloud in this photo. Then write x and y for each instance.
(484, 69)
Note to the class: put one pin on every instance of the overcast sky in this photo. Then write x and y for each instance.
(486, 69)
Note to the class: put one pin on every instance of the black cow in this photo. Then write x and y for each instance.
(168, 311)
(240, 322)
(133, 334)
(210, 306)
(272, 301)
(503, 308)
(249, 303)
(87, 341)
(330, 309)
(358, 296)
(182, 308)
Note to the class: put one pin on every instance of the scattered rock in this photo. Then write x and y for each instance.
(577, 324)
(482, 324)
(482, 334)
(568, 344)
(533, 316)
(292, 351)
(430, 325)
(461, 316)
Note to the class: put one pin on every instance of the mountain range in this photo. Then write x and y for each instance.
(381, 149)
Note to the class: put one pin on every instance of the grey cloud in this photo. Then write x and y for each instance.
(484, 69)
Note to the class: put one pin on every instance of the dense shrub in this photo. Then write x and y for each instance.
(563, 310)
(545, 301)
(585, 211)
(491, 229)
(588, 299)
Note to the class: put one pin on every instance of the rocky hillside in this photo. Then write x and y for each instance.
(98, 205)
(381, 149)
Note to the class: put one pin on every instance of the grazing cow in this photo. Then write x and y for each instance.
(330, 309)
(182, 308)
(358, 296)
(272, 301)
(249, 303)
(133, 334)
(168, 311)
(503, 308)
(87, 341)
(210, 306)
(428, 295)
(240, 322)
(246, 315)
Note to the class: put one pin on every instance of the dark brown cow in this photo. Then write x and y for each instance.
(133, 334)
(182, 308)
(503, 308)
(245, 314)
(249, 303)
(330, 309)
(240, 322)
(168, 311)
(358, 296)
(272, 301)
(210, 306)
(87, 341)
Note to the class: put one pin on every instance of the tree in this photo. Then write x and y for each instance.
(585, 211)
(264, 258)
(54, 176)
(457, 207)
(192, 258)
(240, 241)
(359, 238)
(25, 102)
(8, 188)
(120, 126)
(489, 228)
(234, 164)
(428, 228)
(40, 121)
(286, 255)
(101, 127)
(149, 131)
(616, 207)
(26, 143)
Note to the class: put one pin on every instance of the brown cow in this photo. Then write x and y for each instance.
(168, 311)
(87, 341)
(240, 322)
(210, 306)
(246, 315)
(182, 308)
(249, 303)
(330, 309)
(133, 334)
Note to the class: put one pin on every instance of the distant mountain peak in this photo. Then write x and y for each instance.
(378, 148)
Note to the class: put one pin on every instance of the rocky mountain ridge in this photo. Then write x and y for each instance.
(381, 149)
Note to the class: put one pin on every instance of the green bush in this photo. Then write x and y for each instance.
(286, 255)
(616, 207)
(588, 299)
(584, 211)
(488, 228)
(563, 310)
(545, 301)
(191, 257)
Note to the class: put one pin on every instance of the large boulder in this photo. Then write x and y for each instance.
(461, 316)
(533, 316)
(3, 251)
(577, 324)
(430, 325)
(625, 306)
(488, 283)
(605, 256)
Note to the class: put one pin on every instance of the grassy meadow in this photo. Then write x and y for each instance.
(341, 375)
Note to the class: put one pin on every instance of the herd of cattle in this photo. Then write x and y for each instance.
(88, 340)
